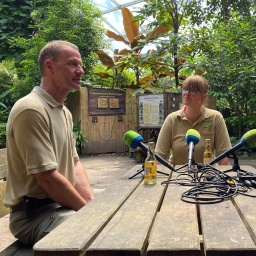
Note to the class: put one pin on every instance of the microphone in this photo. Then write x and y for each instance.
(192, 138)
(248, 140)
(134, 140)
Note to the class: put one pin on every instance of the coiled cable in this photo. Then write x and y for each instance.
(208, 185)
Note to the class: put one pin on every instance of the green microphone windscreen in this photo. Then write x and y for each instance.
(249, 139)
(192, 135)
(132, 139)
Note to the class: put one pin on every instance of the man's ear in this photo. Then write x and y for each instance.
(49, 65)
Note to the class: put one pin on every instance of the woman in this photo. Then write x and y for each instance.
(209, 123)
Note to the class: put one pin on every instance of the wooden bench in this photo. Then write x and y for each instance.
(153, 220)
(131, 223)
(16, 248)
(237, 222)
(176, 226)
(118, 192)
(99, 212)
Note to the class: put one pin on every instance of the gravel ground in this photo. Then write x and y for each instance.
(105, 169)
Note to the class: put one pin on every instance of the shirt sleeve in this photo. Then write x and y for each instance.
(32, 136)
(222, 139)
(163, 145)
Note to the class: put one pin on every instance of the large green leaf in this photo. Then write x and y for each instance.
(105, 59)
(113, 35)
(131, 27)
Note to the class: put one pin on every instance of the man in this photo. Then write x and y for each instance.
(46, 182)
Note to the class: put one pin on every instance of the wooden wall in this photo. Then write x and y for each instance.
(106, 135)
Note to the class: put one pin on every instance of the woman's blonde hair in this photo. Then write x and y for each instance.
(196, 82)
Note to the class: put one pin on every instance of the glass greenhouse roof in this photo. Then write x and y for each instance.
(113, 19)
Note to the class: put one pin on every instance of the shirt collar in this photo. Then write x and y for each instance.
(205, 114)
(46, 97)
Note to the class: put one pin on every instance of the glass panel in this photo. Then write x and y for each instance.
(114, 19)
(104, 5)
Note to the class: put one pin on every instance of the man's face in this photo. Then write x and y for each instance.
(68, 69)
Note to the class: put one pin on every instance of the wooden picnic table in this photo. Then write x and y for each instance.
(130, 218)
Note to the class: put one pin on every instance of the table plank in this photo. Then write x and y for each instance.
(119, 222)
(127, 232)
(246, 207)
(224, 232)
(175, 230)
(76, 234)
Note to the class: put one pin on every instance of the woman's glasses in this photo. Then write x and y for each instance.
(190, 91)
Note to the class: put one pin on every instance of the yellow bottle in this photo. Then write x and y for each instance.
(150, 165)
(207, 152)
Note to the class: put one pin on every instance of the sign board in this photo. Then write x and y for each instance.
(106, 102)
(151, 110)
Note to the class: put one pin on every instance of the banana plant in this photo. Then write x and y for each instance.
(132, 58)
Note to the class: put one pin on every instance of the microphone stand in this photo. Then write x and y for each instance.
(138, 172)
(185, 165)
(182, 167)
(142, 170)
(241, 174)
(235, 167)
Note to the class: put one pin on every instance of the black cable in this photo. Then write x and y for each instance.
(209, 185)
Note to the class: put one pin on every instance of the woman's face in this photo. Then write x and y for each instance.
(193, 97)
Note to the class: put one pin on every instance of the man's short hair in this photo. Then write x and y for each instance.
(52, 51)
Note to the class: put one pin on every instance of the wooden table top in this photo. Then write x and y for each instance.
(130, 218)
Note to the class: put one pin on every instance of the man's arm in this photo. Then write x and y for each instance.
(224, 161)
(83, 186)
(60, 189)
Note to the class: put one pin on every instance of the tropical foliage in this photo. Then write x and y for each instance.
(109, 78)
(131, 58)
(220, 46)
(8, 78)
(81, 141)
(26, 27)
(230, 65)
(212, 38)
(14, 22)
(75, 21)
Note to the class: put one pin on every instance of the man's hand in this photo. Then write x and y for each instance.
(60, 189)
(83, 186)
